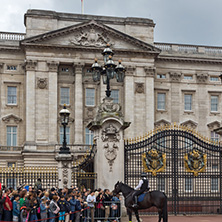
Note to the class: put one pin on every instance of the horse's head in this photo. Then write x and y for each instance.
(117, 188)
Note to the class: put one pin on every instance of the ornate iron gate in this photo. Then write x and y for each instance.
(180, 162)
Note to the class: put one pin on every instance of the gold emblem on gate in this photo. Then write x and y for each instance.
(154, 161)
(195, 162)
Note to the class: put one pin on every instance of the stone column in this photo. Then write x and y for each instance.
(64, 170)
(129, 100)
(149, 90)
(108, 128)
(30, 104)
(53, 100)
(78, 104)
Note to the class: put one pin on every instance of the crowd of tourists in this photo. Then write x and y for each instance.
(28, 203)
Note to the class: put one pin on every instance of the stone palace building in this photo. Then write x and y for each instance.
(49, 66)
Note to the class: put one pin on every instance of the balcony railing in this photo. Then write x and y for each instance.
(12, 36)
(189, 49)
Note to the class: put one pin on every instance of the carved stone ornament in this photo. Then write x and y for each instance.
(53, 66)
(110, 135)
(65, 176)
(175, 76)
(30, 65)
(90, 37)
(42, 83)
(110, 153)
(139, 87)
(150, 71)
(108, 108)
(202, 77)
(7, 118)
(90, 112)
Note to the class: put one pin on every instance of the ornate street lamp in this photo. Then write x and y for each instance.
(109, 71)
(64, 117)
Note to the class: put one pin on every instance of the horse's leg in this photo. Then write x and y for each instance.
(160, 214)
(137, 215)
(129, 212)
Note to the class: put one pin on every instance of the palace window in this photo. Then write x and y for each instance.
(214, 103)
(187, 77)
(161, 184)
(64, 96)
(88, 137)
(11, 135)
(90, 97)
(161, 76)
(161, 101)
(214, 78)
(11, 67)
(115, 95)
(188, 184)
(188, 102)
(62, 133)
(214, 185)
(214, 136)
(12, 95)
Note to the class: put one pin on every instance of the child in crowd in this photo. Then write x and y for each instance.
(68, 208)
(24, 214)
(62, 206)
(16, 211)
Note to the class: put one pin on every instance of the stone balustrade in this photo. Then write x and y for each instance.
(10, 148)
(76, 148)
(189, 49)
(12, 36)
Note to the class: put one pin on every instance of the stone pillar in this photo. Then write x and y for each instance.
(53, 109)
(78, 104)
(64, 170)
(149, 90)
(129, 99)
(108, 128)
(30, 104)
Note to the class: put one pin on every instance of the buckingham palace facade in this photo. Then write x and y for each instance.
(49, 66)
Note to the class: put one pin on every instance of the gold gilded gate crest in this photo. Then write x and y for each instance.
(154, 161)
(195, 162)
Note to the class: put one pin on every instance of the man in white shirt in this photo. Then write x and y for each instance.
(91, 199)
(141, 188)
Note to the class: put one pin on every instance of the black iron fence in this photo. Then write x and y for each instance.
(181, 163)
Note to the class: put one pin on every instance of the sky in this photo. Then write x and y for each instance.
(197, 22)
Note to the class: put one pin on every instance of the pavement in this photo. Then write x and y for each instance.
(179, 218)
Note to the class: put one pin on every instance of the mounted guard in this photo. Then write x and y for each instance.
(142, 187)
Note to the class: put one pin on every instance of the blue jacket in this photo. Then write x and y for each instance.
(42, 208)
(15, 210)
(72, 204)
(78, 205)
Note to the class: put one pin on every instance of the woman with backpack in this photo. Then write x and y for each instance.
(53, 208)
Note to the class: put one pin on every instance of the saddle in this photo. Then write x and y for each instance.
(141, 196)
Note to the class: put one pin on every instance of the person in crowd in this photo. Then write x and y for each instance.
(52, 193)
(24, 214)
(107, 198)
(2, 201)
(78, 207)
(23, 198)
(16, 208)
(100, 213)
(7, 207)
(62, 205)
(68, 208)
(115, 206)
(72, 206)
(91, 199)
(53, 208)
(38, 184)
(43, 209)
(34, 206)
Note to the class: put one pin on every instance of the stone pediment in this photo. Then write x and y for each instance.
(189, 123)
(161, 122)
(214, 124)
(9, 117)
(90, 35)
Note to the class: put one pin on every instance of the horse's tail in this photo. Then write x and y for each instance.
(165, 213)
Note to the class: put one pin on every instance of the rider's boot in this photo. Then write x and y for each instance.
(135, 205)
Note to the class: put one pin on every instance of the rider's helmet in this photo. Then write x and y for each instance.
(143, 174)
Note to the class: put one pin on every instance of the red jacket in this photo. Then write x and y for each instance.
(7, 200)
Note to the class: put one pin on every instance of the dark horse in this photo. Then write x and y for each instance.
(153, 198)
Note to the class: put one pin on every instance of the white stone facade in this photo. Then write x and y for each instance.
(57, 51)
